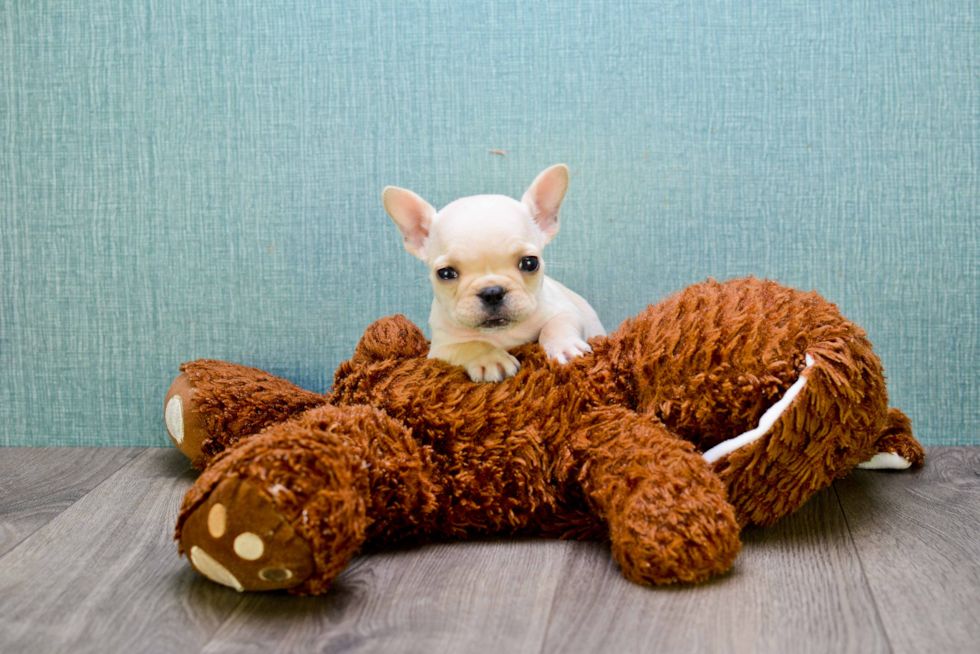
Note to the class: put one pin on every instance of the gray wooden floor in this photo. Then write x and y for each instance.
(880, 562)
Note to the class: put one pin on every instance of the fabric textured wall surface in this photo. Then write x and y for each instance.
(184, 179)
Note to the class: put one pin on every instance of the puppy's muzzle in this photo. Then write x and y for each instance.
(492, 296)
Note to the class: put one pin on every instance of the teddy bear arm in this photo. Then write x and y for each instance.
(667, 515)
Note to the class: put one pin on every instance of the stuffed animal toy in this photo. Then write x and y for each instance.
(725, 405)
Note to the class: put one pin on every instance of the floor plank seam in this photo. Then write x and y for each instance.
(551, 609)
(215, 636)
(864, 574)
(78, 499)
(547, 626)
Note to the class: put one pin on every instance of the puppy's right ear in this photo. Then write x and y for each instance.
(543, 198)
(412, 214)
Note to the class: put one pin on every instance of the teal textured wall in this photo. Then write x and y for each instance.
(202, 179)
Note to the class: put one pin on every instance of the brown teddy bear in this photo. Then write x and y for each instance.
(725, 405)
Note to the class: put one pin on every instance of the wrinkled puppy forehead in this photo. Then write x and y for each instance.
(486, 218)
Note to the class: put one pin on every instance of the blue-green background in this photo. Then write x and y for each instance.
(186, 179)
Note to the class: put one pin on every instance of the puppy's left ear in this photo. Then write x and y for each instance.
(544, 198)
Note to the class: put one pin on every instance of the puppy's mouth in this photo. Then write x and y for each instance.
(496, 323)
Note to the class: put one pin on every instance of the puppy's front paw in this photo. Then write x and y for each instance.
(493, 366)
(565, 350)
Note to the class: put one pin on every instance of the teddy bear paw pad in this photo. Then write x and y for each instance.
(238, 537)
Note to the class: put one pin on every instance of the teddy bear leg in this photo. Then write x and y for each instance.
(290, 506)
(668, 518)
(213, 404)
(831, 419)
(896, 448)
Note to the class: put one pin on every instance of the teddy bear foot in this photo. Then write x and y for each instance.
(896, 448)
(238, 538)
(212, 405)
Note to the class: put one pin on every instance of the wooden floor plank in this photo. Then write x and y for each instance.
(38, 483)
(90, 566)
(103, 576)
(796, 587)
(917, 534)
(464, 597)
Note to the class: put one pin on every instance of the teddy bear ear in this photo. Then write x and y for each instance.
(412, 214)
(394, 336)
(543, 198)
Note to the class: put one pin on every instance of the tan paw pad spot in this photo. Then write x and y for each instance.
(248, 546)
(275, 574)
(217, 520)
(213, 570)
(174, 417)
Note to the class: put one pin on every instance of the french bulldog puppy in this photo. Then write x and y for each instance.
(487, 272)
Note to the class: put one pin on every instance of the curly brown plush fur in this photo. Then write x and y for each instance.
(606, 446)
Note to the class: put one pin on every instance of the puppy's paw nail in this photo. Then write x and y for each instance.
(493, 367)
(563, 352)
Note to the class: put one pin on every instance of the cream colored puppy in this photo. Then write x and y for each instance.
(491, 293)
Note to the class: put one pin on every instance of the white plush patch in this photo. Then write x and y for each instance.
(213, 570)
(886, 461)
(768, 419)
(248, 546)
(175, 419)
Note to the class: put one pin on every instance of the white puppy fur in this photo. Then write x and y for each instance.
(485, 264)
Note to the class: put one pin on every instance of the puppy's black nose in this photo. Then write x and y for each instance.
(492, 296)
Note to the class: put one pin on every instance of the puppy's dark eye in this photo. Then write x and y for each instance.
(447, 273)
(528, 264)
